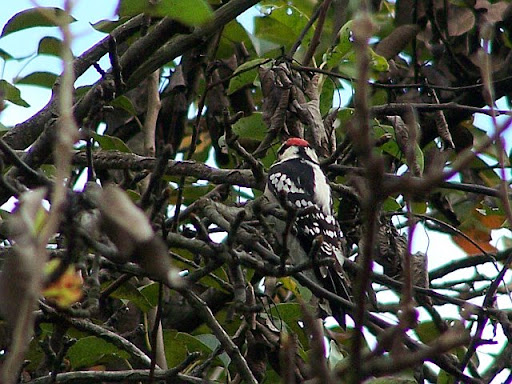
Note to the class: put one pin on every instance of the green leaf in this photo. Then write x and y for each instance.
(489, 176)
(272, 377)
(129, 292)
(133, 195)
(251, 126)
(193, 343)
(37, 17)
(233, 33)
(107, 26)
(348, 65)
(191, 193)
(342, 56)
(49, 170)
(50, 46)
(297, 289)
(345, 115)
(427, 331)
(379, 97)
(150, 292)
(291, 314)
(175, 350)
(3, 129)
(191, 12)
(326, 96)
(378, 63)
(391, 205)
(82, 91)
(179, 344)
(212, 342)
(340, 52)
(262, 46)
(336, 354)
(111, 143)
(124, 103)
(12, 94)
(211, 282)
(391, 146)
(288, 312)
(39, 79)
(445, 378)
(5, 55)
(271, 156)
(268, 29)
(419, 207)
(244, 74)
(35, 353)
(282, 24)
(89, 350)
(419, 157)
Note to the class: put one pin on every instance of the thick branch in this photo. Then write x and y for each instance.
(129, 161)
(182, 43)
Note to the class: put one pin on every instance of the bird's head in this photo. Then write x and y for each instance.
(296, 147)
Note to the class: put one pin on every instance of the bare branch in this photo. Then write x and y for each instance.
(226, 342)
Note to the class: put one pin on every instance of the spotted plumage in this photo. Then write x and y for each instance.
(298, 176)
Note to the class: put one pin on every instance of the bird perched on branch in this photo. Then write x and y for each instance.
(310, 232)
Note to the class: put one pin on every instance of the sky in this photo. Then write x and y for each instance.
(24, 45)
(90, 11)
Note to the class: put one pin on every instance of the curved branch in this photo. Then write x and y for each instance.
(472, 261)
(103, 333)
(104, 160)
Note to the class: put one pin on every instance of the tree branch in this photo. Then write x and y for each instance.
(219, 332)
(101, 332)
(140, 375)
(104, 160)
(24, 134)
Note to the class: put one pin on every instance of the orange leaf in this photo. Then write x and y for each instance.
(479, 236)
(67, 290)
(493, 221)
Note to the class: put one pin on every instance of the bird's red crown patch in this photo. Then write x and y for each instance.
(296, 141)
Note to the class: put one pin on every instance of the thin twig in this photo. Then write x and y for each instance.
(304, 31)
(483, 317)
(396, 86)
(231, 349)
(132, 375)
(443, 224)
(315, 41)
(101, 332)
(12, 156)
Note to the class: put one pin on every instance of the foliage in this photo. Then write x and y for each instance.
(170, 270)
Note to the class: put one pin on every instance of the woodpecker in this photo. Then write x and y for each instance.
(297, 180)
